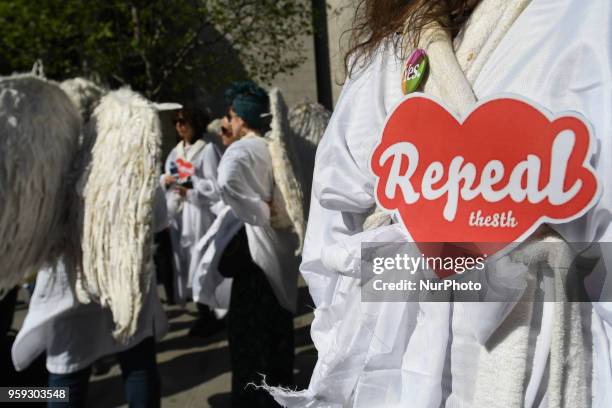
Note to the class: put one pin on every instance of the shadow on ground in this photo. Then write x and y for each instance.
(195, 372)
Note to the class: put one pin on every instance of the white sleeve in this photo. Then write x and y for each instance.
(205, 189)
(343, 185)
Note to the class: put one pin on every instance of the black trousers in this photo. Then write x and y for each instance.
(260, 330)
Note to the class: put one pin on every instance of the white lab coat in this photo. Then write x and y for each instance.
(74, 335)
(557, 53)
(190, 218)
(246, 182)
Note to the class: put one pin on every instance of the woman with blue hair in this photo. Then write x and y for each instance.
(260, 257)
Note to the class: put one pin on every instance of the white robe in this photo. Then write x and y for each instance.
(190, 218)
(246, 182)
(74, 335)
(388, 354)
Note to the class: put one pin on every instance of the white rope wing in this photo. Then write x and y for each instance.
(39, 131)
(117, 211)
(286, 167)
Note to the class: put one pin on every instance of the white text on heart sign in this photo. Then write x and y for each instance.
(492, 173)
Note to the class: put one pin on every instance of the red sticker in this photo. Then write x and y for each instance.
(493, 177)
(185, 169)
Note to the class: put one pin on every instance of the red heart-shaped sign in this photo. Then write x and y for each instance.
(185, 169)
(494, 177)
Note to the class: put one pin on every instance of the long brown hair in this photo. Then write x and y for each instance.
(377, 21)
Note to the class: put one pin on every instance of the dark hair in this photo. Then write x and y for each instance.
(378, 20)
(197, 118)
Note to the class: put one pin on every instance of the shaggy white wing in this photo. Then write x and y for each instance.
(118, 190)
(39, 131)
(286, 170)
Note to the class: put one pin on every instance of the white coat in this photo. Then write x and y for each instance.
(557, 54)
(191, 217)
(246, 182)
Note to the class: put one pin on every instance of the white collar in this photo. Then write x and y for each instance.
(189, 154)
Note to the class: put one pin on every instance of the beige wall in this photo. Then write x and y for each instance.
(339, 18)
(301, 84)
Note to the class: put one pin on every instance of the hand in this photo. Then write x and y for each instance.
(169, 180)
(182, 191)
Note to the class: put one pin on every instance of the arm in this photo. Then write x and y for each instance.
(343, 186)
(205, 189)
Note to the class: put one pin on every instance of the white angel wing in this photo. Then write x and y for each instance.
(118, 190)
(308, 122)
(39, 132)
(84, 93)
(286, 171)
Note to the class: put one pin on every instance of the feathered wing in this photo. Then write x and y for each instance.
(39, 133)
(308, 122)
(117, 190)
(286, 170)
(84, 93)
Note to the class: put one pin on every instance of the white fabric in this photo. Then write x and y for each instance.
(246, 182)
(208, 285)
(192, 217)
(558, 54)
(74, 335)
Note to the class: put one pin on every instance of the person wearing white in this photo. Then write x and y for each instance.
(553, 52)
(246, 182)
(260, 258)
(75, 335)
(189, 176)
(208, 286)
